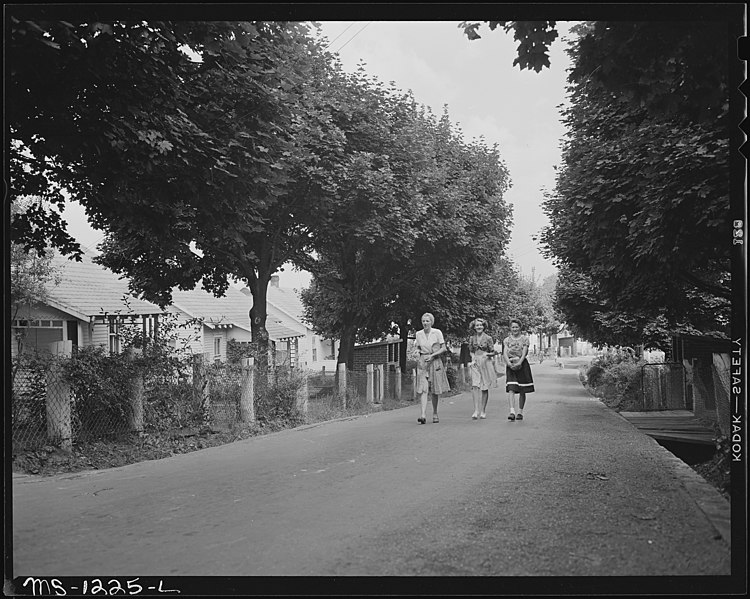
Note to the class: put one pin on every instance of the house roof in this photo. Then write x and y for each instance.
(232, 308)
(214, 311)
(284, 303)
(87, 289)
(288, 302)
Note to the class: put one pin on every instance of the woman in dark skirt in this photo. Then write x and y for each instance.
(518, 377)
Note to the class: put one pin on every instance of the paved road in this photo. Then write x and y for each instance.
(573, 490)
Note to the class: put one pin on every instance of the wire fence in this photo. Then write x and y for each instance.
(61, 401)
(663, 387)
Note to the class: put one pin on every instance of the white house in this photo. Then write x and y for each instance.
(91, 304)
(88, 307)
(285, 308)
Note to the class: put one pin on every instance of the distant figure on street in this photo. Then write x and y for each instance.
(483, 375)
(431, 377)
(518, 379)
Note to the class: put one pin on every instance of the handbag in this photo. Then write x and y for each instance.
(443, 357)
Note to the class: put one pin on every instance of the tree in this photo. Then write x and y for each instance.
(93, 103)
(269, 116)
(31, 276)
(365, 226)
(639, 214)
(419, 213)
(197, 170)
(668, 66)
(535, 38)
(591, 316)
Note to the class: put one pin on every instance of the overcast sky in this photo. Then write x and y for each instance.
(485, 95)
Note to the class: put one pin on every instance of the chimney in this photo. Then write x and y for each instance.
(274, 281)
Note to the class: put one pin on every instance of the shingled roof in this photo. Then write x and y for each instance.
(87, 290)
(287, 301)
(232, 308)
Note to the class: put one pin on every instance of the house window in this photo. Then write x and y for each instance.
(41, 324)
(114, 335)
(35, 335)
(217, 348)
(315, 354)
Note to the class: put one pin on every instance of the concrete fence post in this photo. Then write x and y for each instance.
(303, 395)
(380, 393)
(397, 391)
(247, 391)
(136, 393)
(462, 374)
(57, 405)
(370, 384)
(414, 383)
(200, 386)
(342, 384)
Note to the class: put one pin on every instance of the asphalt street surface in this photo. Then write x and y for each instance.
(572, 490)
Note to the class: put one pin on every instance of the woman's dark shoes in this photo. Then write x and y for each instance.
(421, 420)
(511, 416)
(519, 416)
(435, 418)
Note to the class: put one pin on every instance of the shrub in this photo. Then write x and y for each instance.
(615, 376)
(28, 398)
(100, 385)
(236, 350)
(278, 400)
(169, 404)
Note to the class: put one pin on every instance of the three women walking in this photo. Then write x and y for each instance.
(433, 381)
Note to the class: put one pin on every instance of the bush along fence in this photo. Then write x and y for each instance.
(630, 383)
(84, 394)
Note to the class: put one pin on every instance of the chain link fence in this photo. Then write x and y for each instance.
(60, 401)
(663, 387)
(63, 400)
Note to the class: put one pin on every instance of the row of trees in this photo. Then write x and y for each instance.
(215, 150)
(640, 221)
(211, 151)
(640, 215)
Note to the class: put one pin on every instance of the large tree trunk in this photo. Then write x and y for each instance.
(258, 314)
(346, 347)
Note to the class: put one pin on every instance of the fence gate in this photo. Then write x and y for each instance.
(664, 386)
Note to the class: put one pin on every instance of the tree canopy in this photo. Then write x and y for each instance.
(534, 37)
(197, 170)
(419, 222)
(639, 217)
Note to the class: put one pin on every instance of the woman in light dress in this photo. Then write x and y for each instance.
(431, 377)
(482, 369)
